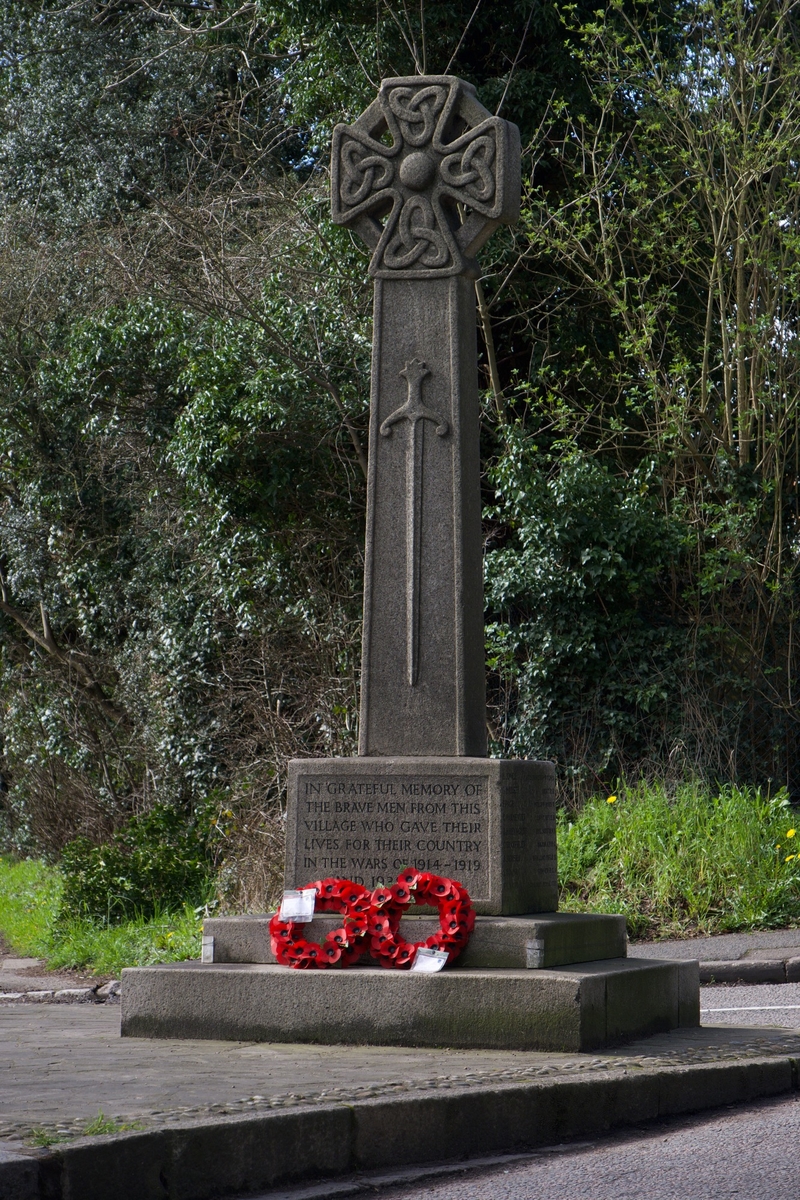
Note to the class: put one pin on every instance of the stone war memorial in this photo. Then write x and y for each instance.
(424, 176)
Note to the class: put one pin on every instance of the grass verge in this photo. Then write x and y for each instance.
(31, 921)
(684, 861)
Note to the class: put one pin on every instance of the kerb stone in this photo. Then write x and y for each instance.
(490, 823)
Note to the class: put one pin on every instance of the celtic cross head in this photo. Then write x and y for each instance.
(424, 176)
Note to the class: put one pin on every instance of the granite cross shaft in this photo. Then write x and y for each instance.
(424, 176)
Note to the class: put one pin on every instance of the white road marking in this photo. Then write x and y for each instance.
(752, 1008)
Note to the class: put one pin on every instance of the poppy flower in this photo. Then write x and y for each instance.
(282, 933)
(401, 894)
(339, 937)
(410, 877)
(329, 888)
(331, 953)
(384, 944)
(381, 896)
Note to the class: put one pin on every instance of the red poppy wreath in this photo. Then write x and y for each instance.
(372, 922)
(343, 945)
(456, 917)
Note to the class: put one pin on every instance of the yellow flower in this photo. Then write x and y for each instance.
(611, 799)
(789, 857)
(791, 832)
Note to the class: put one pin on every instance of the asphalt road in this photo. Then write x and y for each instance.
(751, 1004)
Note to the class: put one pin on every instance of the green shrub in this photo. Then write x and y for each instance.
(591, 673)
(688, 861)
(157, 863)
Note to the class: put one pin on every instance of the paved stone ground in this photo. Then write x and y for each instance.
(18, 974)
(60, 1065)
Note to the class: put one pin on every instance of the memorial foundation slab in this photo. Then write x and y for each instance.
(571, 1008)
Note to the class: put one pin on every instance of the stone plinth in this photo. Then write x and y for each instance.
(537, 941)
(573, 1008)
(489, 823)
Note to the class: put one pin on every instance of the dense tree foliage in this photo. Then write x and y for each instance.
(185, 358)
(663, 342)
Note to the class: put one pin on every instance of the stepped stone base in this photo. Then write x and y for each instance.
(534, 941)
(574, 1008)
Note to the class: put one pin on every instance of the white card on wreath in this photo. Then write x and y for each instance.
(298, 905)
(428, 960)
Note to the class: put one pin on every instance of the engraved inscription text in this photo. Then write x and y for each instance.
(367, 829)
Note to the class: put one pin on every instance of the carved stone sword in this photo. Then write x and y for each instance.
(416, 413)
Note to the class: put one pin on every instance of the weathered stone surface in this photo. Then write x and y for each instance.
(490, 823)
(572, 1008)
(446, 150)
(19, 1176)
(84, 995)
(109, 990)
(535, 941)
(425, 203)
(689, 994)
(423, 685)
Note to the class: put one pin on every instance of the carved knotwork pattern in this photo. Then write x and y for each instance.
(422, 181)
(417, 112)
(417, 238)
